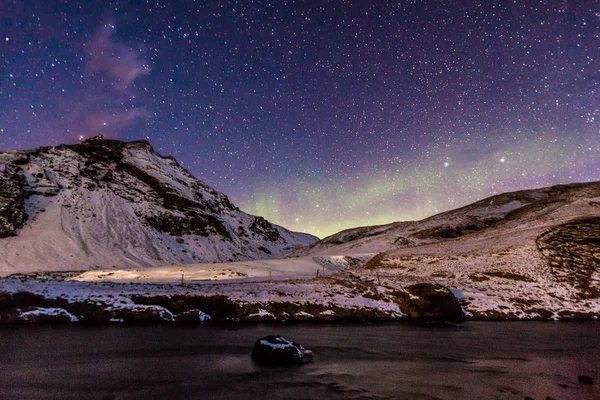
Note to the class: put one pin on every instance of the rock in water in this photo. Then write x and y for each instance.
(277, 350)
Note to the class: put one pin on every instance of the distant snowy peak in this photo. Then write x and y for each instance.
(108, 202)
(477, 217)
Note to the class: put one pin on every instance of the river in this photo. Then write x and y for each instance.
(504, 360)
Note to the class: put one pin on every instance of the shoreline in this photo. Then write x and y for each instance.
(25, 301)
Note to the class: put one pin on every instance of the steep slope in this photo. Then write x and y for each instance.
(472, 218)
(106, 203)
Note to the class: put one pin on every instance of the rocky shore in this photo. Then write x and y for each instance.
(34, 301)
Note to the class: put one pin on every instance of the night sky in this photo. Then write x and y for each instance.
(318, 115)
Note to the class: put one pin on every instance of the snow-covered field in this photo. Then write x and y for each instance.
(510, 284)
(258, 288)
(246, 271)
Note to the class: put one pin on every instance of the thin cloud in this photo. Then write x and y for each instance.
(115, 59)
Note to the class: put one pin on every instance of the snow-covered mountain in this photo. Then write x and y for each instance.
(105, 203)
(479, 217)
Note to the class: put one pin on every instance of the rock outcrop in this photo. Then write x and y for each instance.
(429, 301)
(12, 200)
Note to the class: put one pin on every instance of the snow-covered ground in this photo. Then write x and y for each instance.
(326, 293)
(246, 271)
(510, 283)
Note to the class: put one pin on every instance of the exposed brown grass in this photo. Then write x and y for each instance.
(508, 275)
(478, 278)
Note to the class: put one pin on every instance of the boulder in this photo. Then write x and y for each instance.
(10, 316)
(178, 307)
(277, 350)
(260, 316)
(302, 316)
(26, 299)
(283, 316)
(91, 312)
(327, 315)
(47, 316)
(431, 301)
(6, 300)
(97, 315)
(192, 316)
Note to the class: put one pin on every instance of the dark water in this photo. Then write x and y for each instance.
(392, 361)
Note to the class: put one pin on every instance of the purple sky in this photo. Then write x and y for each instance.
(323, 115)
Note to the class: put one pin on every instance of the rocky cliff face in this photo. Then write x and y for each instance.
(12, 200)
(107, 203)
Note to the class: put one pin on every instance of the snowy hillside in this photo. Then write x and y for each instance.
(540, 260)
(476, 217)
(106, 203)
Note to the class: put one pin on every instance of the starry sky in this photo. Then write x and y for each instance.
(318, 115)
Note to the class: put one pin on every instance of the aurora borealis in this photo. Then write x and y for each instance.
(319, 116)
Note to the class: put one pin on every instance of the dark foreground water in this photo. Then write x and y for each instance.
(391, 361)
